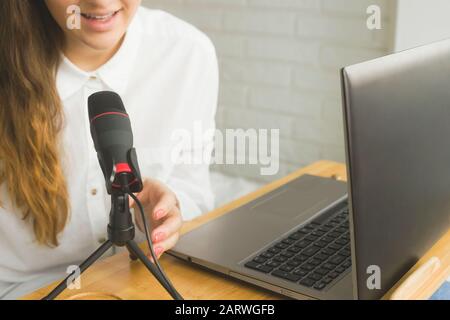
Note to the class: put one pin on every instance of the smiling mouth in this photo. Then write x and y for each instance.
(92, 16)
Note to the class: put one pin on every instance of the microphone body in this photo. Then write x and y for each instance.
(113, 140)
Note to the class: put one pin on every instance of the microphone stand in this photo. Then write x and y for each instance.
(121, 232)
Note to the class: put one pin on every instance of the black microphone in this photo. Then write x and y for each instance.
(113, 141)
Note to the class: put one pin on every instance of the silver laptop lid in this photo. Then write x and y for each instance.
(397, 115)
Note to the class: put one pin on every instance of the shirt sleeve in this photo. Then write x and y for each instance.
(190, 177)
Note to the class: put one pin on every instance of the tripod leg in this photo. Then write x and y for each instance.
(132, 255)
(86, 264)
(134, 248)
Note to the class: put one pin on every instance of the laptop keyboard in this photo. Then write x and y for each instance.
(313, 256)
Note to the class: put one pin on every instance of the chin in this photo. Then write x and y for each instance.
(103, 42)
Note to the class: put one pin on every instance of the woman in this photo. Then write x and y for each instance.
(54, 206)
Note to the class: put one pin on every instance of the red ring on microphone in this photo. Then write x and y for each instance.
(109, 114)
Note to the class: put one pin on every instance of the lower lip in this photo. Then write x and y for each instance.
(100, 25)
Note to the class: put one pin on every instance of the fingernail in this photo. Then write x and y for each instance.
(158, 251)
(159, 214)
(159, 236)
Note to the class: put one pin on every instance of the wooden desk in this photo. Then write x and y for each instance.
(130, 280)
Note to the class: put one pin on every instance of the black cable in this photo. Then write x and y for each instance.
(164, 277)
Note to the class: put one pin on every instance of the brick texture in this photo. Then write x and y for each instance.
(280, 62)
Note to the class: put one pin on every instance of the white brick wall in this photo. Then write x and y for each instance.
(279, 63)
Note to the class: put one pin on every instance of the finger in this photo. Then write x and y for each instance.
(167, 244)
(166, 204)
(170, 226)
(141, 196)
(131, 202)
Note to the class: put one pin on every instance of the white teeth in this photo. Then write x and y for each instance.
(91, 16)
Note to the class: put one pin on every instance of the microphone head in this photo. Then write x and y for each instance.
(104, 102)
(113, 140)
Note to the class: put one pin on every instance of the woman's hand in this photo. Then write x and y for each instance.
(163, 211)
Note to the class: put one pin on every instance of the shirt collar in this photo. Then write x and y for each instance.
(114, 74)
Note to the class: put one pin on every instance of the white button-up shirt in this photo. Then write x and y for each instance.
(166, 73)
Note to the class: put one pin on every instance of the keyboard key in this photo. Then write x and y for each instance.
(328, 251)
(322, 271)
(314, 262)
(288, 241)
(347, 263)
(321, 257)
(307, 267)
(315, 276)
(306, 230)
(307, 282)
(286, 268)
(345, 252)
(337, 259)
(311, 237)
(252, 264)
(335, 246)
(331, 224)
(334, 234)
(297, 236)
(273, 264)
(340, 269)
(274, 250)
(265, 269)
(287, 254)
(281, 245)
(267, 255)
(280, 258)
(333, 275)
(303, 243)
(310, 251)
(300, 272)
(342, 215)
(294, 263)
(321, 244)
(327, 239)
(294, 249)
(320, 285)
(255, 266)
(327, 280)
(286, 275)
(260, 260)
(341, 241)
(329, 266)
(318, 233)
(324, 229)
(300, 258)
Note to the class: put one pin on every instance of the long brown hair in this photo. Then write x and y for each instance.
(31, 116)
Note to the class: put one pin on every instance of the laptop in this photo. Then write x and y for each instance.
(317, 238)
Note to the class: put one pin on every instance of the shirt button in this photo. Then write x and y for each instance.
(92, 78)
(94, 192)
